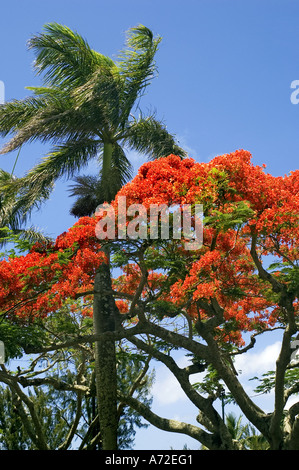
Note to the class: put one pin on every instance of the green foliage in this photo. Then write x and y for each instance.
(239, 213)
(54, 399)
(64, 57)
(19, 336)
(288, 273)
(12, 432)
(20, 241)
(161, 309)
(210, 382)
(267, 381)
(245, 434)
(53, 409)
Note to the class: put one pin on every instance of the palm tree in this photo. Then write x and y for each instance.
(237, 430)
(245, 434)
(88, 192)
(85, 111)
(11, 217)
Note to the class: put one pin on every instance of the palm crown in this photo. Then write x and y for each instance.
(84, 109)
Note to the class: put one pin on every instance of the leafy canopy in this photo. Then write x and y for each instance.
(249, 216)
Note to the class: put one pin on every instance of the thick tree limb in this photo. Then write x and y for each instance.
(171, 425)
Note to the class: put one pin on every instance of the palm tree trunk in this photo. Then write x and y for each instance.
(104, 309)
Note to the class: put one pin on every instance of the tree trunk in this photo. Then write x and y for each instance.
(104, 309)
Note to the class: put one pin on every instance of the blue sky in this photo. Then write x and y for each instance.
(225, 73)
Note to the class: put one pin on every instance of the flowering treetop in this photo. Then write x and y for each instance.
(250, 220)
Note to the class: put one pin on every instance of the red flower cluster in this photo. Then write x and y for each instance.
(240, 201)
(223, 268)
(39, 282)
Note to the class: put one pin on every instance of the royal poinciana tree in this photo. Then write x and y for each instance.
(243, 279)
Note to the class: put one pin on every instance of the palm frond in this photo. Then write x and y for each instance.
(91, 191)
(17, 236)
(18, 201)
(13, 215)
(62, 116)
(64, 56)
(137, 65)
(118, 173)
(15, 114)
(56, 119)
(101, 97)
(10, 215)
(151, 137)
(34, 235)
(25, 194)
(84, 184)
(87, 190)
(121, 167)
(65, 160)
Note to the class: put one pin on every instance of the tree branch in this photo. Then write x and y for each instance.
(263, 274)
(172, 425)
